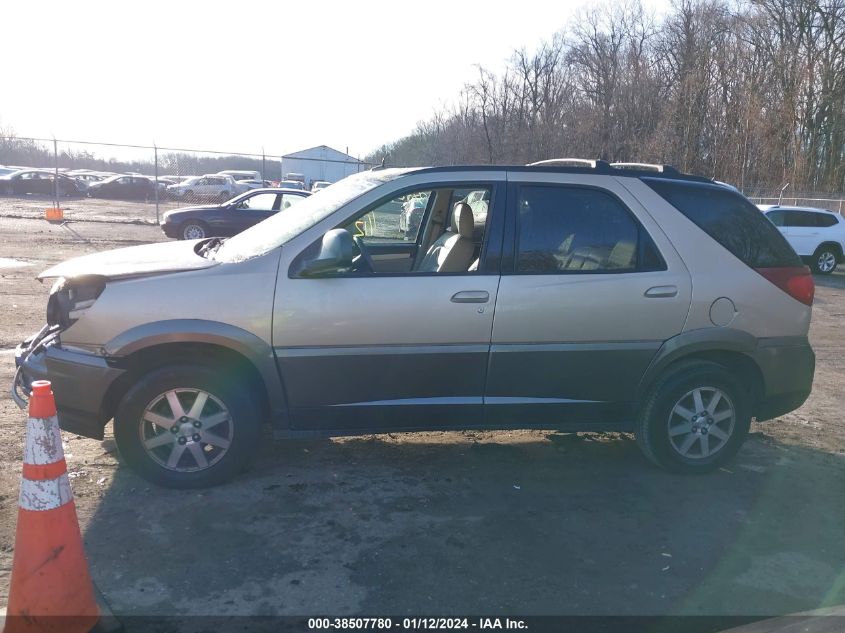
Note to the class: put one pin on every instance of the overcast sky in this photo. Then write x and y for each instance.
(239, 76)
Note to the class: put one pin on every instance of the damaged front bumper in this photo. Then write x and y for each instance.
(80, 381)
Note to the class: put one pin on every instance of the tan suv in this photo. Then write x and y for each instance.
(588, 297)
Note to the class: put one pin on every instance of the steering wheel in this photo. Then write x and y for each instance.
(363, 263)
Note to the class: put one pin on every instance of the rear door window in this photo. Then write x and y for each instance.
(289, 199)
(800, 218)
(731, 220)
(564, 229)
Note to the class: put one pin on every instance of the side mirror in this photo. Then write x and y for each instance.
(337, 250)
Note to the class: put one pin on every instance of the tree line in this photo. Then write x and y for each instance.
(750, 92)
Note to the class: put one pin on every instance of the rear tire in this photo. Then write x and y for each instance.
(825, 259)
(200, 445)
(694, 419)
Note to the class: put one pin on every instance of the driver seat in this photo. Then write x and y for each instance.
(453, 251)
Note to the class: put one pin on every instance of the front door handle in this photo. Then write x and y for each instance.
(471, 296)
(661, 291)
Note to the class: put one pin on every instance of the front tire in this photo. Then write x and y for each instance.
(193, 230)
(187, 426)
(694, 419)
(824, 260)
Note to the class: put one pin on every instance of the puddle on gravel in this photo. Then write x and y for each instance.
(6, 262)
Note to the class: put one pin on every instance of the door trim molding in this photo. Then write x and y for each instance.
(380, 350)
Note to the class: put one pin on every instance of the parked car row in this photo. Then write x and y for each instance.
(132, 186)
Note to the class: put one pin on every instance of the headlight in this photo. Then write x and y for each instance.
(71, 298)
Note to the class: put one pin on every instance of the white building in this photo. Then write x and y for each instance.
(321, 163)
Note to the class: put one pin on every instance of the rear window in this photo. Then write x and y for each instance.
(731, 220)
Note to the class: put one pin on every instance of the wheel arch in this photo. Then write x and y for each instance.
(836, 246)
(146, 347)
(728, 348)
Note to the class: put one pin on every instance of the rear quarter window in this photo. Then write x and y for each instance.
(824, 220)
(731, 220)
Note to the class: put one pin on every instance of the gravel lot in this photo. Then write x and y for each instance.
(445, 523)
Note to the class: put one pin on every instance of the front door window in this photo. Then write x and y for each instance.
(397, 220)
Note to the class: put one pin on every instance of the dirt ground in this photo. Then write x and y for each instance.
(446, 523)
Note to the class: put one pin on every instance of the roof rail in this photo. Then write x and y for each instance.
(573, 162)
(660, 169)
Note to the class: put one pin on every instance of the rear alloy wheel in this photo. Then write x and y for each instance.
(824, 260)
(193, 231)
(695, 418)
(186, 427)
(701, 422)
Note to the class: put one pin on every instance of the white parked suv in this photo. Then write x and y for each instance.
(817, 235)
(214, 186)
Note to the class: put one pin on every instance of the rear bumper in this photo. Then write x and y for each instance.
(787, 366)
(80, 382)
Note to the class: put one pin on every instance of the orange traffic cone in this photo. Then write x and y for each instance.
(50, 588)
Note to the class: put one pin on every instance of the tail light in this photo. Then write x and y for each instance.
(796, 281)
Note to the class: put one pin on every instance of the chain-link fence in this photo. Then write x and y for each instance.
(136, 183)
(832, 201)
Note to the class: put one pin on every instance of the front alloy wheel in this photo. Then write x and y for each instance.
(186, 430)
(188, 426)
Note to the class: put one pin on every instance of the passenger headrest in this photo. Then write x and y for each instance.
(463, 221)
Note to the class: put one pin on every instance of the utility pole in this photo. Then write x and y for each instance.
(155, 161)
(56, 177)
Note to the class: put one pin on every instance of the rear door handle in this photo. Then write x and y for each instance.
(471, 296)
(661, 291)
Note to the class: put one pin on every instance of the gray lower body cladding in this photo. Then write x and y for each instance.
(787, 366)
(579, 386)
(453, 387)
(79, 381)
